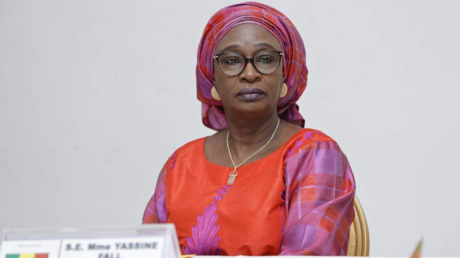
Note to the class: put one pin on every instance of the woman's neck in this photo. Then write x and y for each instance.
(248, 135)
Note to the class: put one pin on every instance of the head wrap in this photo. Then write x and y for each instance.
(295, 70)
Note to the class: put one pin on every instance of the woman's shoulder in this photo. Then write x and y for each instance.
(309, 138)
(190, 150)
(310, 135)
(192, 147)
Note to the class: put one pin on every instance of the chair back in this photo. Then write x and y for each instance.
(358, 243)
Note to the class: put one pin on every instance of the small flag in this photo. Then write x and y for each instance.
(418, 250)
(26, 256)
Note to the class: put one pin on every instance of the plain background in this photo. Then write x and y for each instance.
(95, 95)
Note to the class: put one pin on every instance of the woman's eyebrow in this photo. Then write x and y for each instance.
(261, 44)
(264, 44)
(230, 47)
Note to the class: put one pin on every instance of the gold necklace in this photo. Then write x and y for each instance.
(234, 173)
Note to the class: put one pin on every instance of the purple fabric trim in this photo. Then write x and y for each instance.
(282, 222)
(173, 160)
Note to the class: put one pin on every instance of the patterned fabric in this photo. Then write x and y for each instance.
(204, 239)
(295, 70)
(297, 200)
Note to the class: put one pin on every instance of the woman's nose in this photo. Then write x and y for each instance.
(250, 73)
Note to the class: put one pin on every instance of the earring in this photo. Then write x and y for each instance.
(284, 90)
(215, 94)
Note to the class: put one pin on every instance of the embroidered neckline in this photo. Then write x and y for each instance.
(281, 148)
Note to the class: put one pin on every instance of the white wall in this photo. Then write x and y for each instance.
(95, 95)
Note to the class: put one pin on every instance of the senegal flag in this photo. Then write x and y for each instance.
(26, 256)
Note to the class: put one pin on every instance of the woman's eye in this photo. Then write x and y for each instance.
(232, 60)
(265, 59)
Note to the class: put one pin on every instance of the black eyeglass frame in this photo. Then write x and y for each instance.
(216, 57)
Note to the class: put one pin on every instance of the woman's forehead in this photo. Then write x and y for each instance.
(247, 39)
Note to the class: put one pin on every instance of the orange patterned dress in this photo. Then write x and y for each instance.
(297, 200)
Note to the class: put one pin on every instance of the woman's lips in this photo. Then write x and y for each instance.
(251, 94)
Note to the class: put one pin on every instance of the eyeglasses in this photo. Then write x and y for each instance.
(265, 62)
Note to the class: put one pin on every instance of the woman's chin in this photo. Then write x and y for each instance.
(259, 108)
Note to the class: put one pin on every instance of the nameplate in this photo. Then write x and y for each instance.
(112, 248)
(147, 242)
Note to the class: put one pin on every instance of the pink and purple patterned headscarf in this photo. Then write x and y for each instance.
(295, 70)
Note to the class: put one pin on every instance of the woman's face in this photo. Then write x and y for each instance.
(247, 40)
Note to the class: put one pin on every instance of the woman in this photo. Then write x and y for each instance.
(261, 185)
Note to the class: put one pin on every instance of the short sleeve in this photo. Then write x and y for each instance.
(320, 191)
(155, 212)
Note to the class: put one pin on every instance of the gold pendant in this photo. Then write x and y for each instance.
(231, 177)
